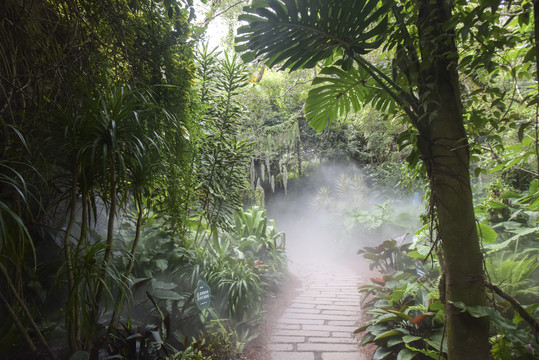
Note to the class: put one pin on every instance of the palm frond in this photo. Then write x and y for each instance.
(336, 92)
(300, 33)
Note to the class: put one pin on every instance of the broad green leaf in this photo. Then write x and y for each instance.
(381, 353)
(497, 205)
(161, 264)
(406, 354)
(496, 247)
(409, 338)
(523, 232)
(487, 311)
(163, 285)
(393, 342)
(534, 186)
(486, 233)
(368, 338)
(390, 333)
(290, 33)
(166, 294)
(80, 355)
(401, 315)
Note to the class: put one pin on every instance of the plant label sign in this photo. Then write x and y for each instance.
(202, 295)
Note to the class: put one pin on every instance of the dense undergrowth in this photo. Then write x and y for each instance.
(406, 302)
(130, 155)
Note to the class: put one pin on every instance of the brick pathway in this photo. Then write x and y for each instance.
(319, 323)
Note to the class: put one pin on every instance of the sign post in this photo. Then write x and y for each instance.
(202, 295)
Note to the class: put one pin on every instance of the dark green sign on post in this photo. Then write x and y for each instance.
(202, 295)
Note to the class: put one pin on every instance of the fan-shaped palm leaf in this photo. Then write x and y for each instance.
(303, 32)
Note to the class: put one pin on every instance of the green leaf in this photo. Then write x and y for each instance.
(487, 311)
(367, 339)
(166, 294)
(291, 33)
(409, 338)
(401, 315)
(381, 353)
(486, 233)
(393, 342)
(406, 354)
(161, 264)
(389, 333)
(80, 355)
(534, 186)
(163, 285)
(336, 92)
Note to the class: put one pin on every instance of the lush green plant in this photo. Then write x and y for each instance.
(389, 255)
(511, 339)
(406, 316)
(513, 273)
(222, 157)
(241, 267)
(403, 333)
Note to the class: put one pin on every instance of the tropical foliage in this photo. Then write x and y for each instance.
(132, 154)
(419, 72)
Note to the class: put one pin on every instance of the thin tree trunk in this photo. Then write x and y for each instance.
(30, 318)
(108, 249)
(131, 264)
(72, 321)
(77, 333)
(18, 324)
(443, 144)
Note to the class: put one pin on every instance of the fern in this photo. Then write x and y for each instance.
(513, 274)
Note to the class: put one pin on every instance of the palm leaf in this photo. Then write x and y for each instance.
(299, 33)
(336, 92)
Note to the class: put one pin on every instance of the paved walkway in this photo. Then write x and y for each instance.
(319, 323)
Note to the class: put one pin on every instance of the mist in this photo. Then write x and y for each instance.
(331, 214)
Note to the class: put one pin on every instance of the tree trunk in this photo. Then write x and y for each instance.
(131, 264)
(100, 292)
(72, 310)
(443, 144)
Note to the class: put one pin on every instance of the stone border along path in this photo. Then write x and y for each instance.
(319, 324)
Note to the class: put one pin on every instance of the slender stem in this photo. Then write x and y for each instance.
(110, 237)
(130, 265)
(18, 324)
(516, 305)
(71, 313)
(30, 319)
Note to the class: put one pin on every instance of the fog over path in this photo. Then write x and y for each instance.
(320, 321)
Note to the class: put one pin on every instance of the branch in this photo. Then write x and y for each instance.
(209, 18)
(516, 305)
